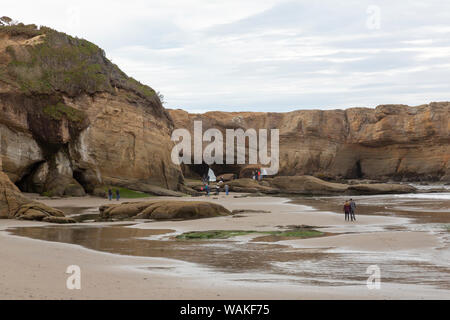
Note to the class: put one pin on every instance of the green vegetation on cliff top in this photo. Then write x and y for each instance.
(57, 62)
(60, 110)
(127, 193)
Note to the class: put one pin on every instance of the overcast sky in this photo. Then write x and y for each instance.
(258, 55)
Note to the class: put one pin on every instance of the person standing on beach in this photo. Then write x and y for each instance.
(226, 189)
(352, 209)
(110, 194)
(117, 195)
(347, 210)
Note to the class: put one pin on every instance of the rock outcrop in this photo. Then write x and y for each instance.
(71, 121)
(162, 210)
(11, 198)
(251, 186)
(14, 205)
(381, 188)
(389, 142)
(307, 185)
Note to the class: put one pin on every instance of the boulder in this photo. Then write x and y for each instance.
(61, 220)
(10, 197)
(251, 186)
(123, 210)
(37, 211)
(14, 205)
(190, 191)
(162, 209)
(99, 192)
(74, 189)
(32, 214)
(183, 210)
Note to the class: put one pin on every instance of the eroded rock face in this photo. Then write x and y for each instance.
(389, 142)
(10, 197)
(162, 210)
(73, 131)
(68, 132)
(13, 205)
(19, 150)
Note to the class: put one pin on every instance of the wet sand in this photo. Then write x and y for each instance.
(143, 261)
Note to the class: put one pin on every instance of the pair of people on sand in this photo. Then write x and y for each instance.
(349, 210)
(110, 194)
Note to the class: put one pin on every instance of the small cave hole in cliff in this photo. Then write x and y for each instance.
(358, 170)
(196, 171)
(80, 176)
(25, 184)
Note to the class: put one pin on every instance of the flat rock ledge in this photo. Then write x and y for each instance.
(309, 185)
(162, 210)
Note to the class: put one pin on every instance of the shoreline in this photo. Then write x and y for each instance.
(203, 283)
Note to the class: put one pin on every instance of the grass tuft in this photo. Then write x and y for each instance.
(60, 110)
(127, 193)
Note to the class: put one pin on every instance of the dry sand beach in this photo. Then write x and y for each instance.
(142, 260)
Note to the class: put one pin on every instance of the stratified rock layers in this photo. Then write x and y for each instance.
(389, 142)
(71, 121)
(14, 205)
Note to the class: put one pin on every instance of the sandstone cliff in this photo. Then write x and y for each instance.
(389, 142)
(70, 120)
(14, 205)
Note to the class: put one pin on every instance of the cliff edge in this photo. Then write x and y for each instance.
(70, 120)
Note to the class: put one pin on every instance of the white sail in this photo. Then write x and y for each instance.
(212, 176)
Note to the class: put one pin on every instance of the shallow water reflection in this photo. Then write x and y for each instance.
(264, 261)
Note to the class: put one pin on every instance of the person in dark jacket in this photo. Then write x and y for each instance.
(347, 210)
(117, 195)
(352, 209)
(110, 194)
